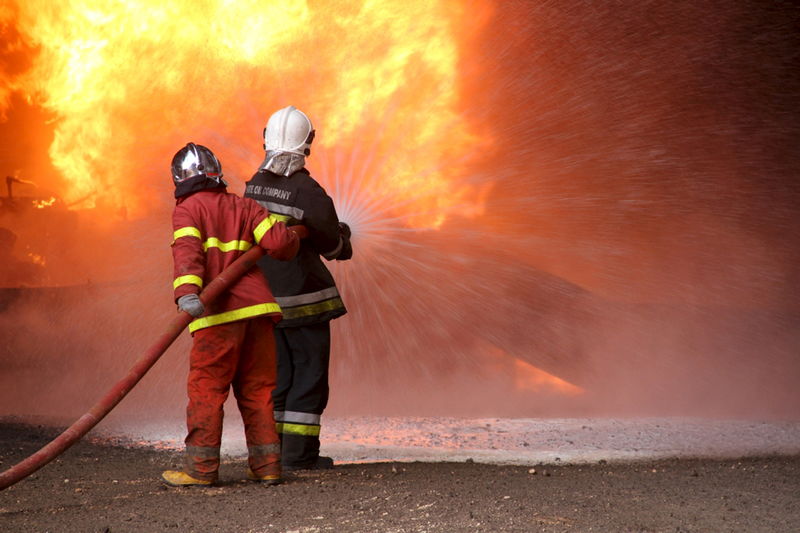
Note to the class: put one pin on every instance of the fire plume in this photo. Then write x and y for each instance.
(130, 82)
(41, 204)
(526, 377)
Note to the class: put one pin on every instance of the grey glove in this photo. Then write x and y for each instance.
(191, 304)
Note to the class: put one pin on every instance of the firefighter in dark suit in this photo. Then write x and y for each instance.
(303, 287)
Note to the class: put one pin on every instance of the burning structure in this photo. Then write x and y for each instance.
(586, 210)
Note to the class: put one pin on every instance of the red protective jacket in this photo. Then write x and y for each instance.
(212, 228)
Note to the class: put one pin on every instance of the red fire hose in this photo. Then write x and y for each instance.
(82, 426)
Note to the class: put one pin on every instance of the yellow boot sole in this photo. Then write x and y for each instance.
(267, 480)
(176, 478)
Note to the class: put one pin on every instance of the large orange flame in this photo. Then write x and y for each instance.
(129, 82)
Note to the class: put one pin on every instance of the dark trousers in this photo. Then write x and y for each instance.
(302, 390)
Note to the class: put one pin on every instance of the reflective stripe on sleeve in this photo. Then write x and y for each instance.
(264, 227)
(297, 429)
(282, 210)
(190, 279)
(281, 218)
(188, 231)
(236, 314)
(213, 242)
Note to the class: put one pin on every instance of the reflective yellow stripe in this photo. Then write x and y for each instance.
(190, 278)
(281, 218)
(213, 242)
(264, 227)
(312, 309)
(188, 231)
(297, 429)
(236, 314)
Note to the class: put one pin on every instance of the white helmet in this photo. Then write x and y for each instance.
(290, 131)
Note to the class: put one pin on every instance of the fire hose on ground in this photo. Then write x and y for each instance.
(104, 406)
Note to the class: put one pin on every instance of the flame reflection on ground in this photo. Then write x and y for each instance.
(520, 441)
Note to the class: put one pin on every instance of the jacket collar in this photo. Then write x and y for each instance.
(298, 171)
(197, 183)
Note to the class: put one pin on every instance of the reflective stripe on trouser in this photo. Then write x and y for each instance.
(297, 423)
(302, 391)
(239, 355)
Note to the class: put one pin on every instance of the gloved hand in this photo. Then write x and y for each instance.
(347, 248)
(300, 230)
(191, 304)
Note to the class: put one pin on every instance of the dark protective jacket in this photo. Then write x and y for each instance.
(212, 228)
(303, 286)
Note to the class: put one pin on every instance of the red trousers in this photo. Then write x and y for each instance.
(239, 355)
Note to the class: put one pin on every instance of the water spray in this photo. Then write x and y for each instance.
(104, 406)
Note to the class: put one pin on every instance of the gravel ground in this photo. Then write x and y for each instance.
(98, 487)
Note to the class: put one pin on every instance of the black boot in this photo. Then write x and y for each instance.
(320, 463)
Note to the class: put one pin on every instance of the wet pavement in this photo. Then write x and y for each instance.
(523, 441)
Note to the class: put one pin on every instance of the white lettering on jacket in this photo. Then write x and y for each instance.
(263, 190)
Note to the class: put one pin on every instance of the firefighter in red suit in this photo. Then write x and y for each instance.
(233, 342)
